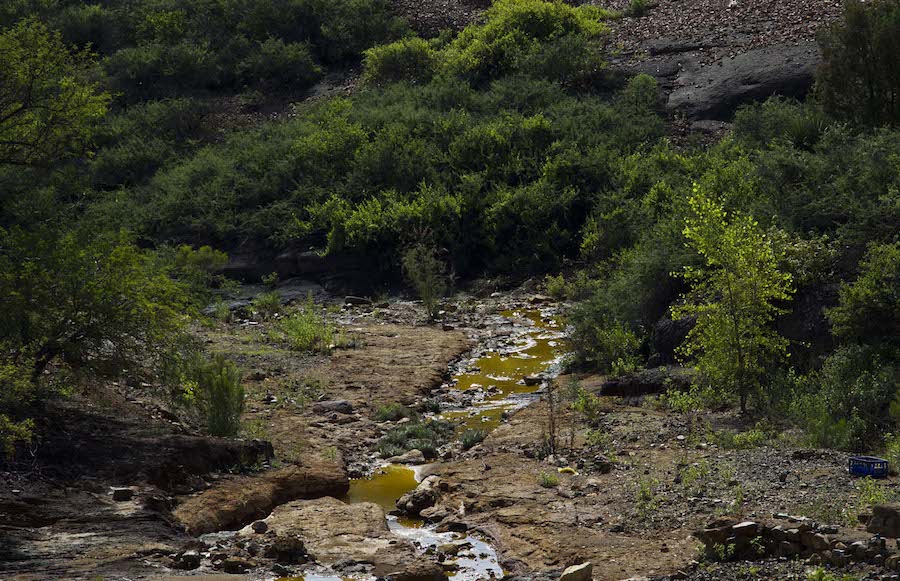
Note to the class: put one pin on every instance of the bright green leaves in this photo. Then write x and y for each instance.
(48, 105)
(550, 40)
(734, 297)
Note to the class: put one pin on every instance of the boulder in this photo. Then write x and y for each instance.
(236, 565)
(336, 532)
(885, 520)
(667, 336)
(717, 90)
(186, 561)
(287, 550)
(235, 502)
(424, 496)
(815, 541)
(647, 381)
(716, 532)
(411, 457)
(582, 572)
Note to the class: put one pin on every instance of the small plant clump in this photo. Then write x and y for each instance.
(548, 480)
(393, 412)
(266, 305)
(472, 437)
(426, 437)
(308, 329)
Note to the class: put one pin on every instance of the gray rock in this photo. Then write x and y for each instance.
(885, 520)
(287, 550)
(582, 572)
(236, 565)
(259, 527)
(647, 381)
(717, 90)
(186, 561)
(340, 406)
(424, 496)
(411, 457)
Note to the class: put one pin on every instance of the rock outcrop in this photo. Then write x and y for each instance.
(885, 520)
(717, 90)
(647, 381)
(234, 503)
(336, 532)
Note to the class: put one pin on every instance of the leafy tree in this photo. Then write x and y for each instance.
(81, 305)
(733, 297)
(48, 105)
(85, 302)
(860, 76)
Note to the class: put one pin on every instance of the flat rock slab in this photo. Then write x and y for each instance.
(334, 531)
(717, 90)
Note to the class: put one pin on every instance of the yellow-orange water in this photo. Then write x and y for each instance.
(505, 371)
(384, 487)
(535, 352)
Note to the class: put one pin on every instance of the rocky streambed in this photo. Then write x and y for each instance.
(123, 489)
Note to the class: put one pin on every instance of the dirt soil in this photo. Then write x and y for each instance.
(671, 475)
(57, 516)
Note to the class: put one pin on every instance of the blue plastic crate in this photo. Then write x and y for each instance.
(868, 466)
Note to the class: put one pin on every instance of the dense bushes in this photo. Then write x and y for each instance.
(163, 48)
(486, 178)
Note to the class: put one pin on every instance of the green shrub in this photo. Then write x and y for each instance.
(17, 393)
(869, 309)
(426, 437)
(548, 480)
(638, 8)
(602, 344)
(163, 70)
(471, 438)
(892, 452)
(518, 32)
(393, 412)
(410, 59)
(288, 65)
(431, 406)
(846, 404)
(216, 387)
(266, 305)
(308, 329)
(427, 275)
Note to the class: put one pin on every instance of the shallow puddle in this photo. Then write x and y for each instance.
(384, 487)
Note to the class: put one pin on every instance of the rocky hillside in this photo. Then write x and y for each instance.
(710, 56)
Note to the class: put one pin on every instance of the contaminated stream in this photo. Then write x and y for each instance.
(500, 377)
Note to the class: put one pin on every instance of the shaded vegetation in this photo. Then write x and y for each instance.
(506, 149)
